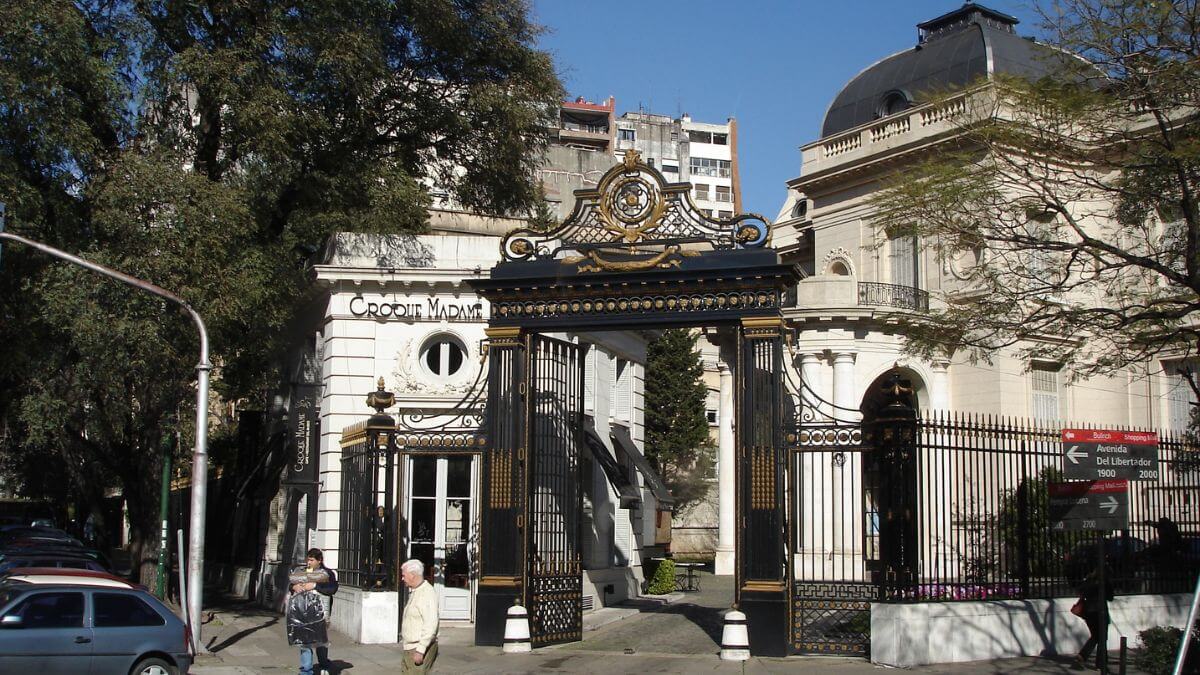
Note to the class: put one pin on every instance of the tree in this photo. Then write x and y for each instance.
(1023, 524)
(207, 147)
(1067, 205)
(677, 441)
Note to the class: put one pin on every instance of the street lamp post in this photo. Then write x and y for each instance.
(200, 455)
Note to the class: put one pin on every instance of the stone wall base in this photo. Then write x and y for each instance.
(918, 634)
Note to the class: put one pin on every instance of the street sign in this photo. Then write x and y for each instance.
(1096, 454)
(1100, 505)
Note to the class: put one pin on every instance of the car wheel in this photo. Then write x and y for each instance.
(154, 666)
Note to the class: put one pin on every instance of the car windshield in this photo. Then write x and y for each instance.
(7, 595)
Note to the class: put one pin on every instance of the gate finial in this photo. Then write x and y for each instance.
(380, 399)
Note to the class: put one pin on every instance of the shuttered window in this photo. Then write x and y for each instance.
(1181, 398)
(903, 258)
(1045, 391)
(622, 409)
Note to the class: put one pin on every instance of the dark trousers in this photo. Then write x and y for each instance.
(1097, 632)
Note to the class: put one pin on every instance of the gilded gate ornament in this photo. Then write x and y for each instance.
(634, 220)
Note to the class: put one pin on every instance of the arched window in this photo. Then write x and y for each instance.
(892, 103)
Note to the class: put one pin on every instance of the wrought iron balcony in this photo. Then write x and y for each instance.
(891, 295)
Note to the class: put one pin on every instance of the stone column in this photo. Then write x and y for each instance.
(726, 494)
(939, 385)
(843, 387)
(810, 375)
(843, 543)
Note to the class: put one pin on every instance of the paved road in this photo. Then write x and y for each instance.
(691, 625)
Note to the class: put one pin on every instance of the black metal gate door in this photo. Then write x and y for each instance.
(553, 563)
(835, 540)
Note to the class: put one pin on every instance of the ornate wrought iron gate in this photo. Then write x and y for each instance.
(835, 539)
(634, 254)
(555, 415)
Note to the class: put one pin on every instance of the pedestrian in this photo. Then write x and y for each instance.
(419, 626)
(308, 612)
(1093, 601)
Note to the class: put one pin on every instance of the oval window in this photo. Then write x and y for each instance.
(443, 355)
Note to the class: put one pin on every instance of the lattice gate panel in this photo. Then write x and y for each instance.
(834, 539)
(556, 615)
(555, 587)
(832, 618)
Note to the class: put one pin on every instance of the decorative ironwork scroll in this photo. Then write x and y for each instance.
(634, 220)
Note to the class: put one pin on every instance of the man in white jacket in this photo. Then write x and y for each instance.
(419, 626)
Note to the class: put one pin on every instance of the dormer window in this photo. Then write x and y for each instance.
(893, 102)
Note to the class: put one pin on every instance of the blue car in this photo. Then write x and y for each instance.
(89, 627)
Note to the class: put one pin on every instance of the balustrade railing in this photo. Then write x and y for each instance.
(893, 295)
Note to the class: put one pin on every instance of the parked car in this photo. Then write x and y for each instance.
(11, 536)
(1123, 555)
(57, 575)
(51, 560)
(88, 625)
(54, 550)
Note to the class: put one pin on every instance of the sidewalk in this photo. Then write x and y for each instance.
(246, 640)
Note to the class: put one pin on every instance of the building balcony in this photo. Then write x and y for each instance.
(903, 130)
(589, 136)
(891, 295)
(825, 293)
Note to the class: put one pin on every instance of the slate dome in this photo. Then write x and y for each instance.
(952, 51)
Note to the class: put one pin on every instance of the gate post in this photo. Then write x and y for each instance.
(502, 508)
(893, 433)
(761, 589)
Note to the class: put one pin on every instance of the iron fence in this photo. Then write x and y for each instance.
(366, 551)
(983, 530)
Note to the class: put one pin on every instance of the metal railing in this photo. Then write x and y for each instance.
(983, 529)
(892, 295)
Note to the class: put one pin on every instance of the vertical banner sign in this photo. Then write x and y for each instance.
(305, 446)
(1096, 454)
(1098, 505)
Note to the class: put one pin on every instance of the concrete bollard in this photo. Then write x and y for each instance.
(735, 642)
(516, 631)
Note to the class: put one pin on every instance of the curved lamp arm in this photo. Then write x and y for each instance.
(200, 454)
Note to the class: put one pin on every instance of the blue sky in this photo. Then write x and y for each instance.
(773, 64)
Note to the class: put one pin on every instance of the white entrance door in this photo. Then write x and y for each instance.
(440, 527)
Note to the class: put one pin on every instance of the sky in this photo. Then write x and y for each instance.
(775, 65)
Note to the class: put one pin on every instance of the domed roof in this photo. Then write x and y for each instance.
(952, 51)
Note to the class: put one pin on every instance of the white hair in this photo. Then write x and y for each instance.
(414, 565)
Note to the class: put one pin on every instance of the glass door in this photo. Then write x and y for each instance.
(440, 527)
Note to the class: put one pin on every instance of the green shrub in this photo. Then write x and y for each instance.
(1159, 647)
(663, 579)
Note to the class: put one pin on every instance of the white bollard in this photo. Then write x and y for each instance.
(516, 631)
(735, 641)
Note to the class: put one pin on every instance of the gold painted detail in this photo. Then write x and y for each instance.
(503, 582)
(634, 205)
(501, 482)
(354, 433)
(762, 478)
(467, 441)
(671, 256)
(758, 586)
(505, 335)
(381, 400)
(762, 327)
(675, 303)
